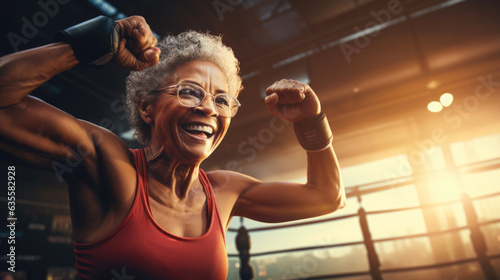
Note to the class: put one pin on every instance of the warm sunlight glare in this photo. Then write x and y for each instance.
(434, 106)
(444, 186)
(446, 99)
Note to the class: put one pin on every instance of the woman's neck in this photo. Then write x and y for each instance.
(179, 177)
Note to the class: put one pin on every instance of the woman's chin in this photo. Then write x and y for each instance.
(191, 155)
(196, 149)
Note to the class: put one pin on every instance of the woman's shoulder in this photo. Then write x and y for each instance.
(107, 142)
(112, 160)
(227, 179)
(220, 178)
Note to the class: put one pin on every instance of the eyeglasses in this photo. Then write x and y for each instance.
(192, 95)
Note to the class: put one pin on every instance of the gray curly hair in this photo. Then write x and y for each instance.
(176, 51)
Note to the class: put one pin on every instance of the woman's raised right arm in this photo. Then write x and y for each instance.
(22, 72)
(31, 131)
(36, 133)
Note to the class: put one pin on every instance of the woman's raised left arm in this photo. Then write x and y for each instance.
(282, 201)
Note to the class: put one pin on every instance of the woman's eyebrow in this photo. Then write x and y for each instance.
(196, 83)
(190, 82)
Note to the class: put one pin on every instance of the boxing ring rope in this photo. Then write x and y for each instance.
(476, 236)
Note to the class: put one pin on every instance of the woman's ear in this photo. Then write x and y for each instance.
(144, 108)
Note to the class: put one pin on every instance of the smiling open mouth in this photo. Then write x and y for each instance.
(199, 130)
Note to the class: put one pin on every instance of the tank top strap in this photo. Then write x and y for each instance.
(141, 168)
(142, 181)
(211, 202)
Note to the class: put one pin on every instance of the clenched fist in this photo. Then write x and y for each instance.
(137, 49)
(292, 100)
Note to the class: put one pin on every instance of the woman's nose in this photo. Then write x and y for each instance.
(207, 106)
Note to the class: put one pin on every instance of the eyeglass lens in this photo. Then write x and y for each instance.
(192, 96)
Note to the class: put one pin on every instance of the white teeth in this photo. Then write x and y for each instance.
(202, 128)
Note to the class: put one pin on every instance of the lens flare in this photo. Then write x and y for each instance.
(446, 99)
(434, 106)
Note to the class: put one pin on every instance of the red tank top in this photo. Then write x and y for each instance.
(140, 247)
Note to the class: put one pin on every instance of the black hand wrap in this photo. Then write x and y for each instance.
(95, 41)
(314, 134)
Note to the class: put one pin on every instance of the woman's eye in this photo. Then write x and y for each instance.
(222, 100)
(191, 92)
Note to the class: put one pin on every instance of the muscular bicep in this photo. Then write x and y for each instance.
(39, 135)
(280, 201)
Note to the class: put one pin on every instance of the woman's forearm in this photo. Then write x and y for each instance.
(22, 72)
(323, 172)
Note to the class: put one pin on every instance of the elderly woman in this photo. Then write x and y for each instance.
(153, 213)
